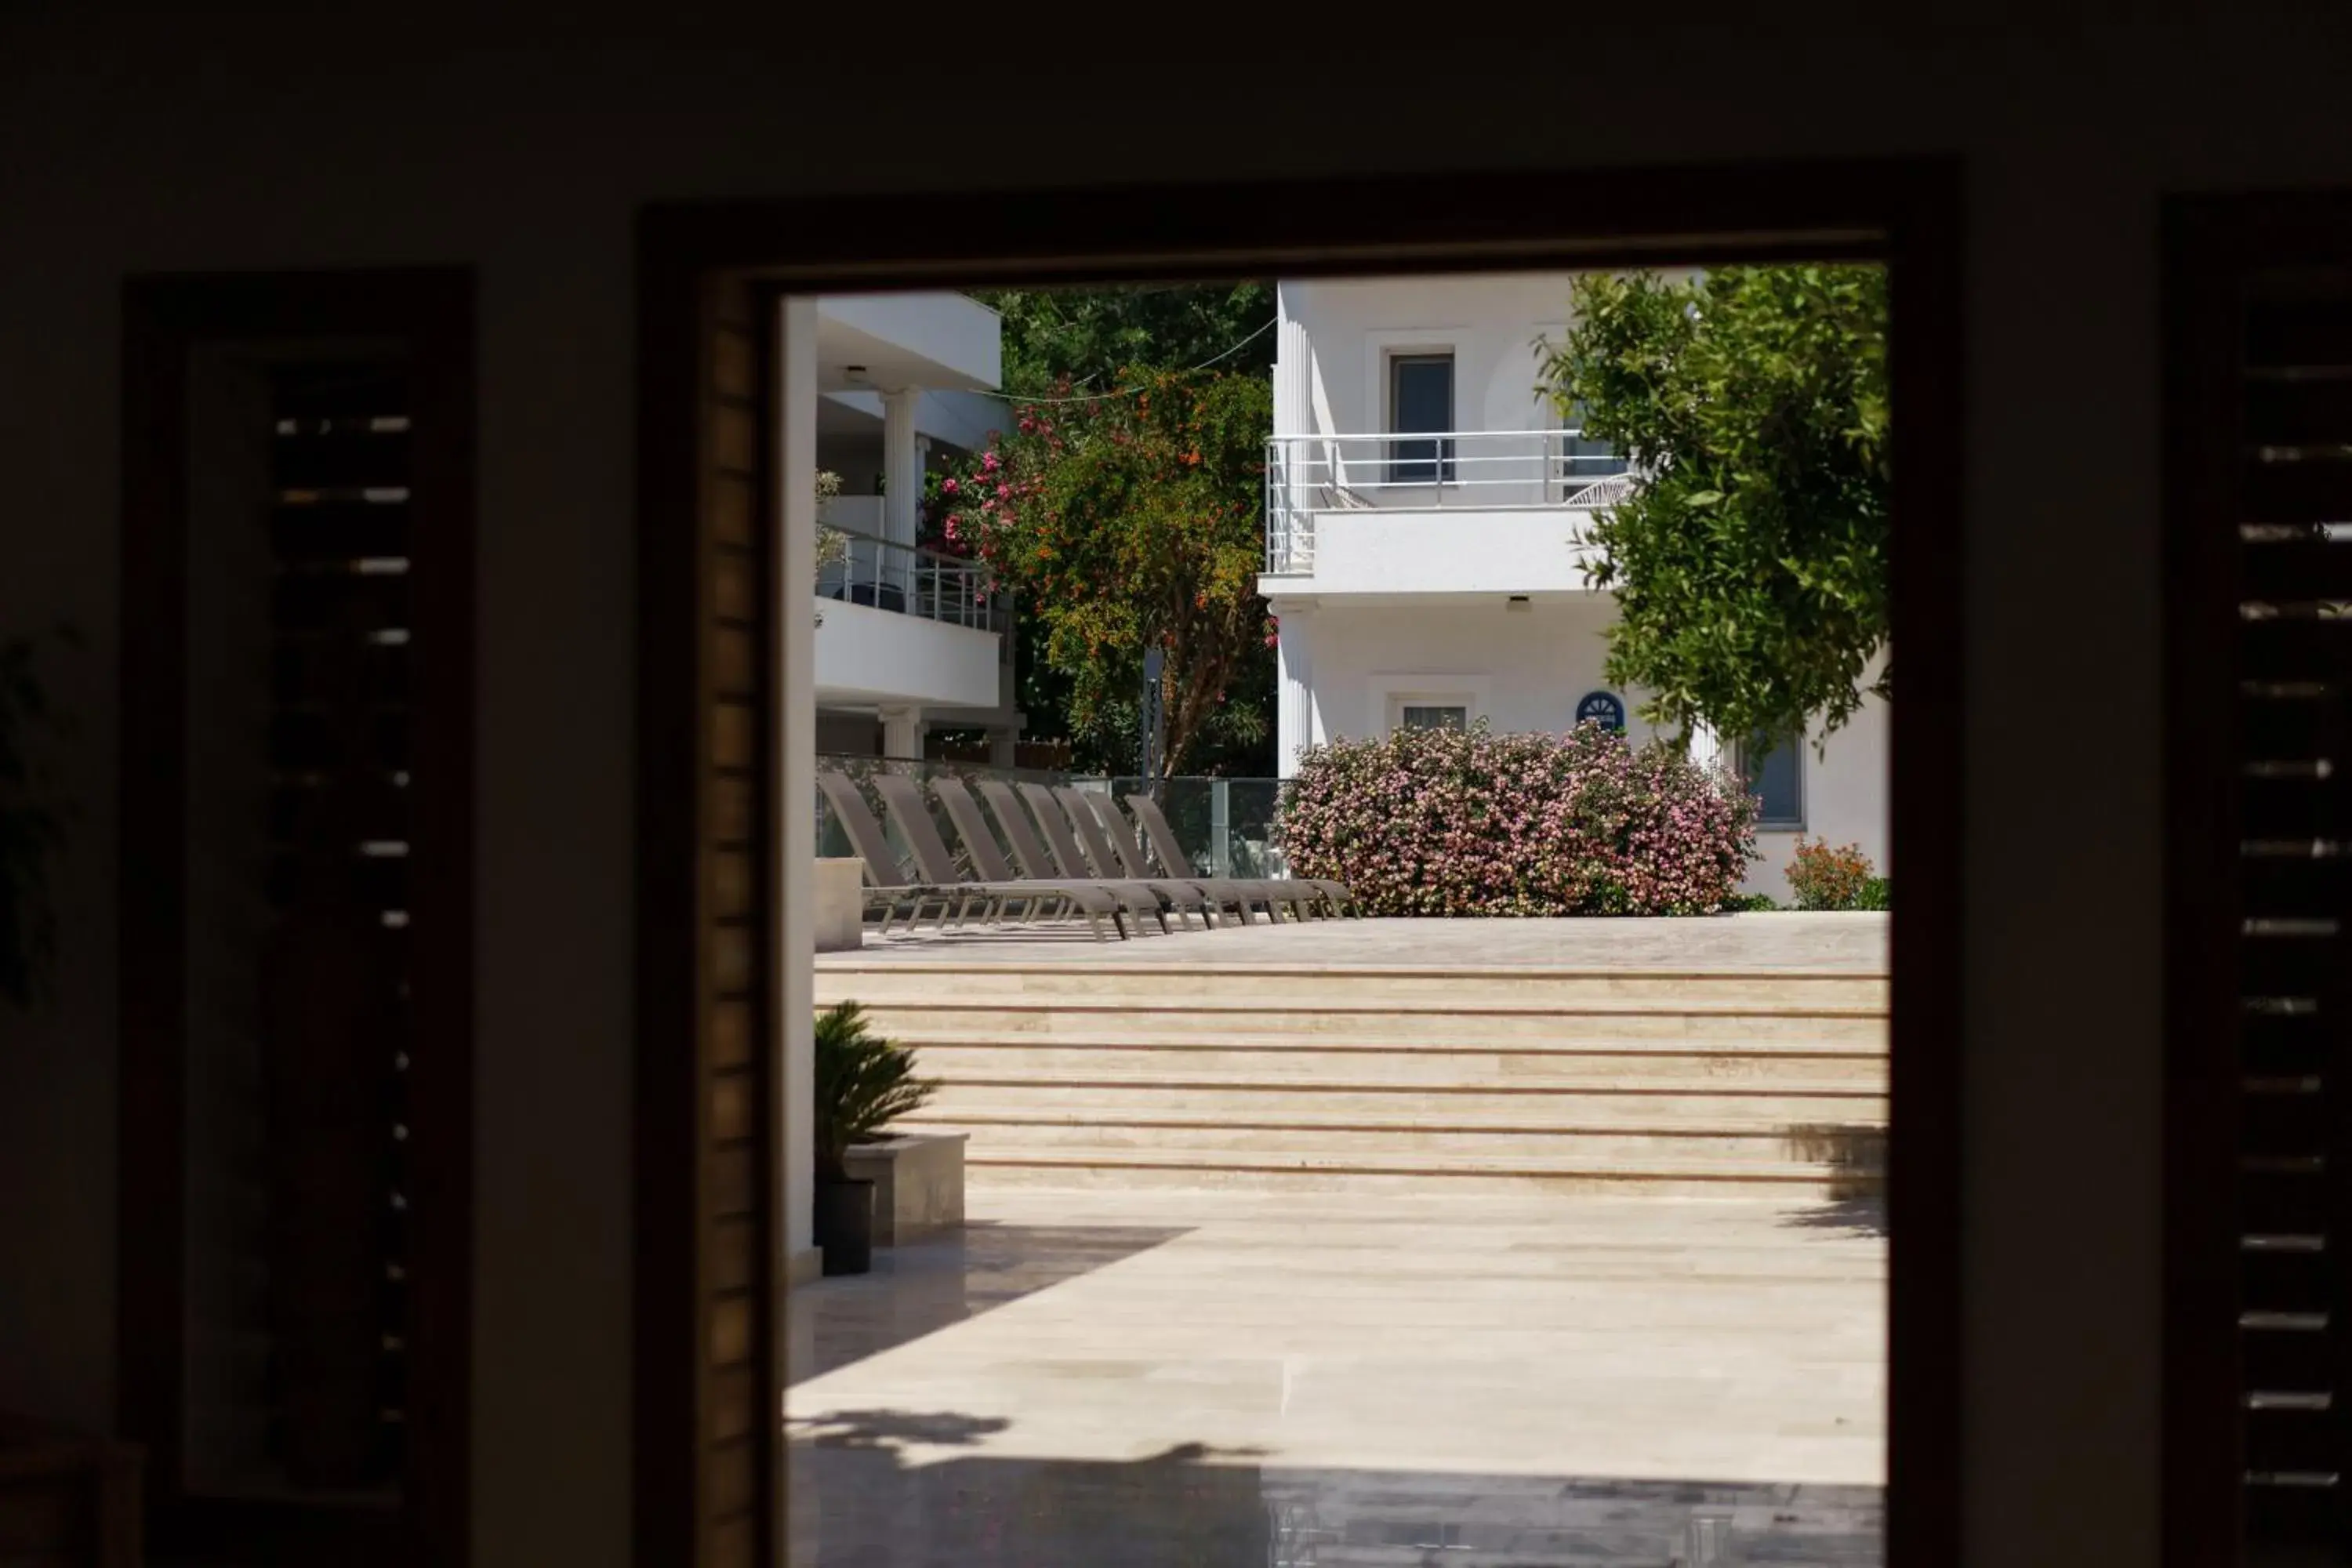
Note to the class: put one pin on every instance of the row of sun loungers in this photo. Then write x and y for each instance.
(1072, 854)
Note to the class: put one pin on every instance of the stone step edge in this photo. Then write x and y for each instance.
(1761, 1127)
(1756, 1089)
(1507, 1045)
(1729, 1175)
(1129, 969)
(1410, 1007)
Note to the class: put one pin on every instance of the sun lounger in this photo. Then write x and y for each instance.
(988, 860)
(890, 891)
(1036, 860)
(1055, 821)
(1241, 894)
(903, 798)
(1172, 858)
(1181, 892)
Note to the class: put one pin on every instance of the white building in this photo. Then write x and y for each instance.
(1425, 517)
(908, 640)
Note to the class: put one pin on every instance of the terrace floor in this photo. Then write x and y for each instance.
(1853, 944)
(1107, 1377)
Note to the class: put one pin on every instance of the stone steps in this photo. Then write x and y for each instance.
(1279, 1061)
(1085, 1169)
(1449, 1134)
(1251, 985)
(1429, 1027)
(1085, 1074)
(1306, 1099)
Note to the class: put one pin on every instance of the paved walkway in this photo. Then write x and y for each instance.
(1145, 1378)
(1845, 944)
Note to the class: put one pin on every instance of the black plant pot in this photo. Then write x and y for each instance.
(845, 1225)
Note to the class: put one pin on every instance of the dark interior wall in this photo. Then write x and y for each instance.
(856, 458)
(848, 735)
(143, 146)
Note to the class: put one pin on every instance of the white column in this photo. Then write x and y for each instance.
(1291, 465)
(902, 732)
(902, 483)
(1707, 748)
(1294, 374)
(794, 585)
(1295, 707)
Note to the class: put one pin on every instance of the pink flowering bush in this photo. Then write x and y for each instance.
(1449, 822)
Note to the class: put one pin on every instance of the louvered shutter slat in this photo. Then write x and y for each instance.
(2294, 672)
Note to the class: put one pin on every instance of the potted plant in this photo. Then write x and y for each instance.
(864, 1083)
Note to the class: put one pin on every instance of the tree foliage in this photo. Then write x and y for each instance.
(1078, 340)
(1751, 562)
(1090, 343)
(1129, 522)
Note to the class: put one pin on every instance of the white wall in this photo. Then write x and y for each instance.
(1845, 791)
(1394, 551)
(796, 689)
(146, 140)
(1527, 668)
(866, 655)
(939, 339)
(1489, 324)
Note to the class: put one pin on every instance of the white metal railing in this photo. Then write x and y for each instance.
(1486, 470)
(912, 582)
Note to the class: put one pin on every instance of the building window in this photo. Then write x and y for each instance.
(1429, 713)
(1421, 398)
(1776, 777)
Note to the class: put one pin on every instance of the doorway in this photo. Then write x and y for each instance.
(714, 1233)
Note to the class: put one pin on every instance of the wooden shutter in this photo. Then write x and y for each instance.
(2258, 1439)
(336, 1090)
(299, 675)
(707, 1399)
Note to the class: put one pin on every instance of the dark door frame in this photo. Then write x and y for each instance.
(429, 312)
(1907, 212)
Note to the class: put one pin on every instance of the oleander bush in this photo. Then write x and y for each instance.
(1840, 878)
(1449, 822)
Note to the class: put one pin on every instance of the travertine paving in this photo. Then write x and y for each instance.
(1830, 942)
(1146, 1377)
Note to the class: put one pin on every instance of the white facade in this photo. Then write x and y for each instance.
(906, 640)
(1425, 519)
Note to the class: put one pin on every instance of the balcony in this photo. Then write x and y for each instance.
(867, 568)
(1463, 511)
(939, 341)
(902, 625)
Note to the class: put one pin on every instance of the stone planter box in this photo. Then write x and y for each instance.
(917, 1184)
(840, 904)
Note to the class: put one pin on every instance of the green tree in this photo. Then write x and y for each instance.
(1093, 345)
(1131, 521)
(1750, 561)
(1081, 338)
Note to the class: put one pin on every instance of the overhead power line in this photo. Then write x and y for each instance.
(1226, 352)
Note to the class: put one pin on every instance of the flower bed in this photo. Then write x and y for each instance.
(1438, 822)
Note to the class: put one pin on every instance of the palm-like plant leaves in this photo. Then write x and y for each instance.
(863, 1084)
